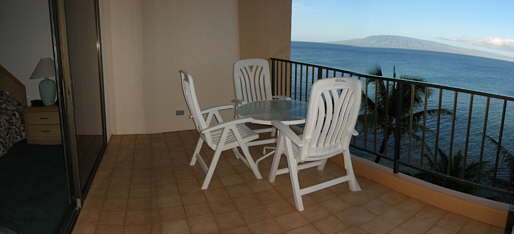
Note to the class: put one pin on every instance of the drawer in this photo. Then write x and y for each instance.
(42, 118)
(48, 130)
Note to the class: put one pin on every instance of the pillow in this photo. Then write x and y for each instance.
(9, 103)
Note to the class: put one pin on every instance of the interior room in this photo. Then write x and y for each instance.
(42, 127)
(35, 192)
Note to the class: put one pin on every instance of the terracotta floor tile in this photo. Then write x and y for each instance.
(279, 208)
(378, 225)
(201, 209)
(138, 229)
(452, 222)
(329, 224)
(238, 230)
(139, 204)
(268, 226)
(400, 231)
(353, 230)
(89, 215)
(84, 228)
(308, 229)
(193, 198)
(377, 206)
(474, 227)
(222, 207)
(334, 205)
(247, 202)
(109, 229)
(255, 214)
(175, 227)
(159, 193)
(291, 220)
(393, 197)
(232, 180)
(315, 213)
(213, 195)
(355, 216)
(172, 214)
(139, 217)
(112, 218)
(202, 224)
(230, 220)
(168, 200)
(240, 190)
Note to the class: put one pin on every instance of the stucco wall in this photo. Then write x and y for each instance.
(265, 28)
(146, 43)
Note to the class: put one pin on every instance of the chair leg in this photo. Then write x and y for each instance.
(293, 174)
(276, 160)
(321, 166)
(212, 167)
(197, 151)
(273, 132)
(251, 163)
(354, 185)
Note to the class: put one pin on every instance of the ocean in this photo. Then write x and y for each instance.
(469, 72)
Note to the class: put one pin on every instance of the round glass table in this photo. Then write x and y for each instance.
(290, 112)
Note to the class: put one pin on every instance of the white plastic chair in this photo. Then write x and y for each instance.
(332, 115)
(252, 82)
(220, 137)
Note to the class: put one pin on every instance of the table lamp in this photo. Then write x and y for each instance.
(47, 88)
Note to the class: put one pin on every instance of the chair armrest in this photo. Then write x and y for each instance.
(227, 124)
(281, 98)
(286, 131)
(217, 108)
(355, 133)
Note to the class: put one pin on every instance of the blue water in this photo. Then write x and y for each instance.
(469, 72)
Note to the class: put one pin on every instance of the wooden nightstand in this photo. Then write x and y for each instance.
(42, 125)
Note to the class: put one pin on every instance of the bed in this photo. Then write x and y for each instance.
(12, 102)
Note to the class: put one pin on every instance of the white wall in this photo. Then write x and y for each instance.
(25, 37)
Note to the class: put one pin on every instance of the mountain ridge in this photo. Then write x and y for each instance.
(403, 42)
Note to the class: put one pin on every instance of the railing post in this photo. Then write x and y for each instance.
(273, 77)
(397, 128)
(510, 220)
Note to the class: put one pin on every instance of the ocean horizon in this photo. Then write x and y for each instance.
(456, 70)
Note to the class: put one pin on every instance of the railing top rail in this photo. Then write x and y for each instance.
(419, 83)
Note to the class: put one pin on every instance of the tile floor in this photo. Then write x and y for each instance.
(145, 185)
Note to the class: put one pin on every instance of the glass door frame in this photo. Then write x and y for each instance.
(78, 193)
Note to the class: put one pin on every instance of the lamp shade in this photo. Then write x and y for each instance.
(44, 69)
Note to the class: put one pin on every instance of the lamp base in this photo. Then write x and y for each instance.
(47, 92)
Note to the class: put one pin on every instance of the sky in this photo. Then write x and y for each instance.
(476, 24)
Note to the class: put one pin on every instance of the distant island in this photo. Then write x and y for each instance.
(401, 42)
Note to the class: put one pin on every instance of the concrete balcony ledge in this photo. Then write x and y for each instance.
(477, 208)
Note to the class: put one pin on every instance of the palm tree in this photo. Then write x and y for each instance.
(390, 115)
(507, 158)
(453, 165)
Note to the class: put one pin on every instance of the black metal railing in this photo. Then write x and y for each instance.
(459, 138)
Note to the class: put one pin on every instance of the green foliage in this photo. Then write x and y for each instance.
(390, 115)
(507, 158)
(453, 165)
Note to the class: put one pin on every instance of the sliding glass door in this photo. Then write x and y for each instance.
(86, 78)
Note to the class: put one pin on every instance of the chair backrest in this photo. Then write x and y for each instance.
(188, 88)
(252, 81)
(333, 110)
